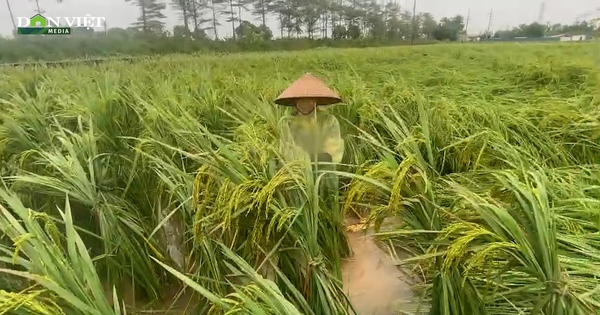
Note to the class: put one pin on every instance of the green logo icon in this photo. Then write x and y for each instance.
(38, 21)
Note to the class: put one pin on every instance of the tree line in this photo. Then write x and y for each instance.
(336, 19)
(301, 24)
(536, 30)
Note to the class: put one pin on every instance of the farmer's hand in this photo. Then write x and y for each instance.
(324, 157)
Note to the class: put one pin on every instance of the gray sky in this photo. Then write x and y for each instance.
(506, 13)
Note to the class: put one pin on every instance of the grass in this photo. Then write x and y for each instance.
(487, 153)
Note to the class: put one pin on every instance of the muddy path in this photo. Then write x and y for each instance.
(372, 280)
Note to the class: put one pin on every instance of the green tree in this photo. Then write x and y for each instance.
(533, 30)
(311, 13)
(248, 31)
(428, 24)
(449, 28)
(375, 21)
(393, 24)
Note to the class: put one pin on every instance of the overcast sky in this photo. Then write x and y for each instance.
(506, 13)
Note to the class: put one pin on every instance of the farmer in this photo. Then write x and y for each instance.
(316, 135)
(311, 133)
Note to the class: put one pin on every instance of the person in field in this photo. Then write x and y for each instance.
(310, 133)
(310, 129)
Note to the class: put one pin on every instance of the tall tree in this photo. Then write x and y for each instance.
(428, 24)
(192, 13)
(215, 7)
(286, 12)
(184, 6)
(242, 7)
(230, 15)
(261, 9)
(375, 22)
(309, 9)
(151, 16)
(324, 6)
(198, 11)
(296, 16)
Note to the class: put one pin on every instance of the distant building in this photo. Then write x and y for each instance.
(574, 38)
(464, 37)
(474, 38)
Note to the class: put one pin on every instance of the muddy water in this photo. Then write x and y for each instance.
(373, 283)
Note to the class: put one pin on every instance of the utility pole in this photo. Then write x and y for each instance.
(12, 16)
(467, 22)
(412, 35)
(490, 21)
(541, 14)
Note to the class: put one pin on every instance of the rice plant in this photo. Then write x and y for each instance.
(125, 186)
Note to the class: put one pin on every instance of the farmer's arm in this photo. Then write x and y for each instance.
(287, 146)
(285, 139)
(285, 135)
(334, 145)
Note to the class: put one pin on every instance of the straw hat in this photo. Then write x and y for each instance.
(308, 86)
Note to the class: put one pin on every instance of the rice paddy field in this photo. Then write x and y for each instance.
(128, 188)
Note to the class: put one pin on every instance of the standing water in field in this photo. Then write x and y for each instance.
(373, 283)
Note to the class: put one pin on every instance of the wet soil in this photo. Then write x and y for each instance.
(372, 281)
(177, 301)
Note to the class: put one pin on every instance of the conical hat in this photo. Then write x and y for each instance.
(308, 86)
